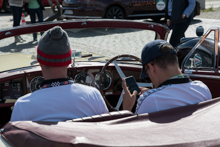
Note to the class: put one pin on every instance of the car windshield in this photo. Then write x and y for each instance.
(87, 44)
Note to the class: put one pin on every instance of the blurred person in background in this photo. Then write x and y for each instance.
(179, 14)
(16, 8)
(33, 7)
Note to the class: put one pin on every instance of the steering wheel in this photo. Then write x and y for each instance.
(122, 76)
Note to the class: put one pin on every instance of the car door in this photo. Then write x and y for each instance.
(90, 8)
(202, 62)
(146, 7)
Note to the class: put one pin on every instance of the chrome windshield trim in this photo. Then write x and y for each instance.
(216, 47)
(202, 76)
(83, 17)
(216, 29)
(18, 69)
(92, 58)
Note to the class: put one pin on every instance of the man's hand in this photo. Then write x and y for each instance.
(143, 90)
(168, 22)
(183, 16)
(128, 98)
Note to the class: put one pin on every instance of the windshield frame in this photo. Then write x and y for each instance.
(161, 31)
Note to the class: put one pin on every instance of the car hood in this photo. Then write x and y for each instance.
(23, 60)
(15, 60)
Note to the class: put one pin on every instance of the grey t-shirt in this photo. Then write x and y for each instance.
(173, 95)
(17, 3)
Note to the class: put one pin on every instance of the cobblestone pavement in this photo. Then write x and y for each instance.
(107, 47)
(210, 15)
(212, 4)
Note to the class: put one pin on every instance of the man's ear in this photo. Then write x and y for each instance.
(152, 67)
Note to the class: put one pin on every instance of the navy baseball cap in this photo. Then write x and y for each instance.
(151, 51)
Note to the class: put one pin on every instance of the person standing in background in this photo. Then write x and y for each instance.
(179, 14)
(16, 8)
(33, 7)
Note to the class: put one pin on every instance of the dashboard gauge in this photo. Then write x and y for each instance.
(106, 81)
(83, 78)
(35, 83)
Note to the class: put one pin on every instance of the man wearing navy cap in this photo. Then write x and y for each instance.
(171, 88)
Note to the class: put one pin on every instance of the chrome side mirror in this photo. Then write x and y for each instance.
(199, 31)
(75, 55)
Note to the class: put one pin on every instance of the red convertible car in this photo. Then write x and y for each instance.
(105, 51)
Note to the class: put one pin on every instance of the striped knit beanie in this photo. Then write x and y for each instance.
(54, 48)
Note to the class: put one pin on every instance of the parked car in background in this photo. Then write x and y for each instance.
(46, 3)
(119, 9)
(5, 5)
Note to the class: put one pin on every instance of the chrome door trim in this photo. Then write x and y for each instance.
(150, 14)
(202, 76)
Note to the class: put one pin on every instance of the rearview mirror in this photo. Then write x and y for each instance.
(76, 54)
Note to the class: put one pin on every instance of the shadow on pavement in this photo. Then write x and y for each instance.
(5, 14)
(92, 32)
(18, 47)
(195, 21)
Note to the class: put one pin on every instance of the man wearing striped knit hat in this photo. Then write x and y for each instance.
(59, 98)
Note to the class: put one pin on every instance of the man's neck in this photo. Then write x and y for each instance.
(54, 72)
(51, 78)
(168, 73)
(54, 75)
